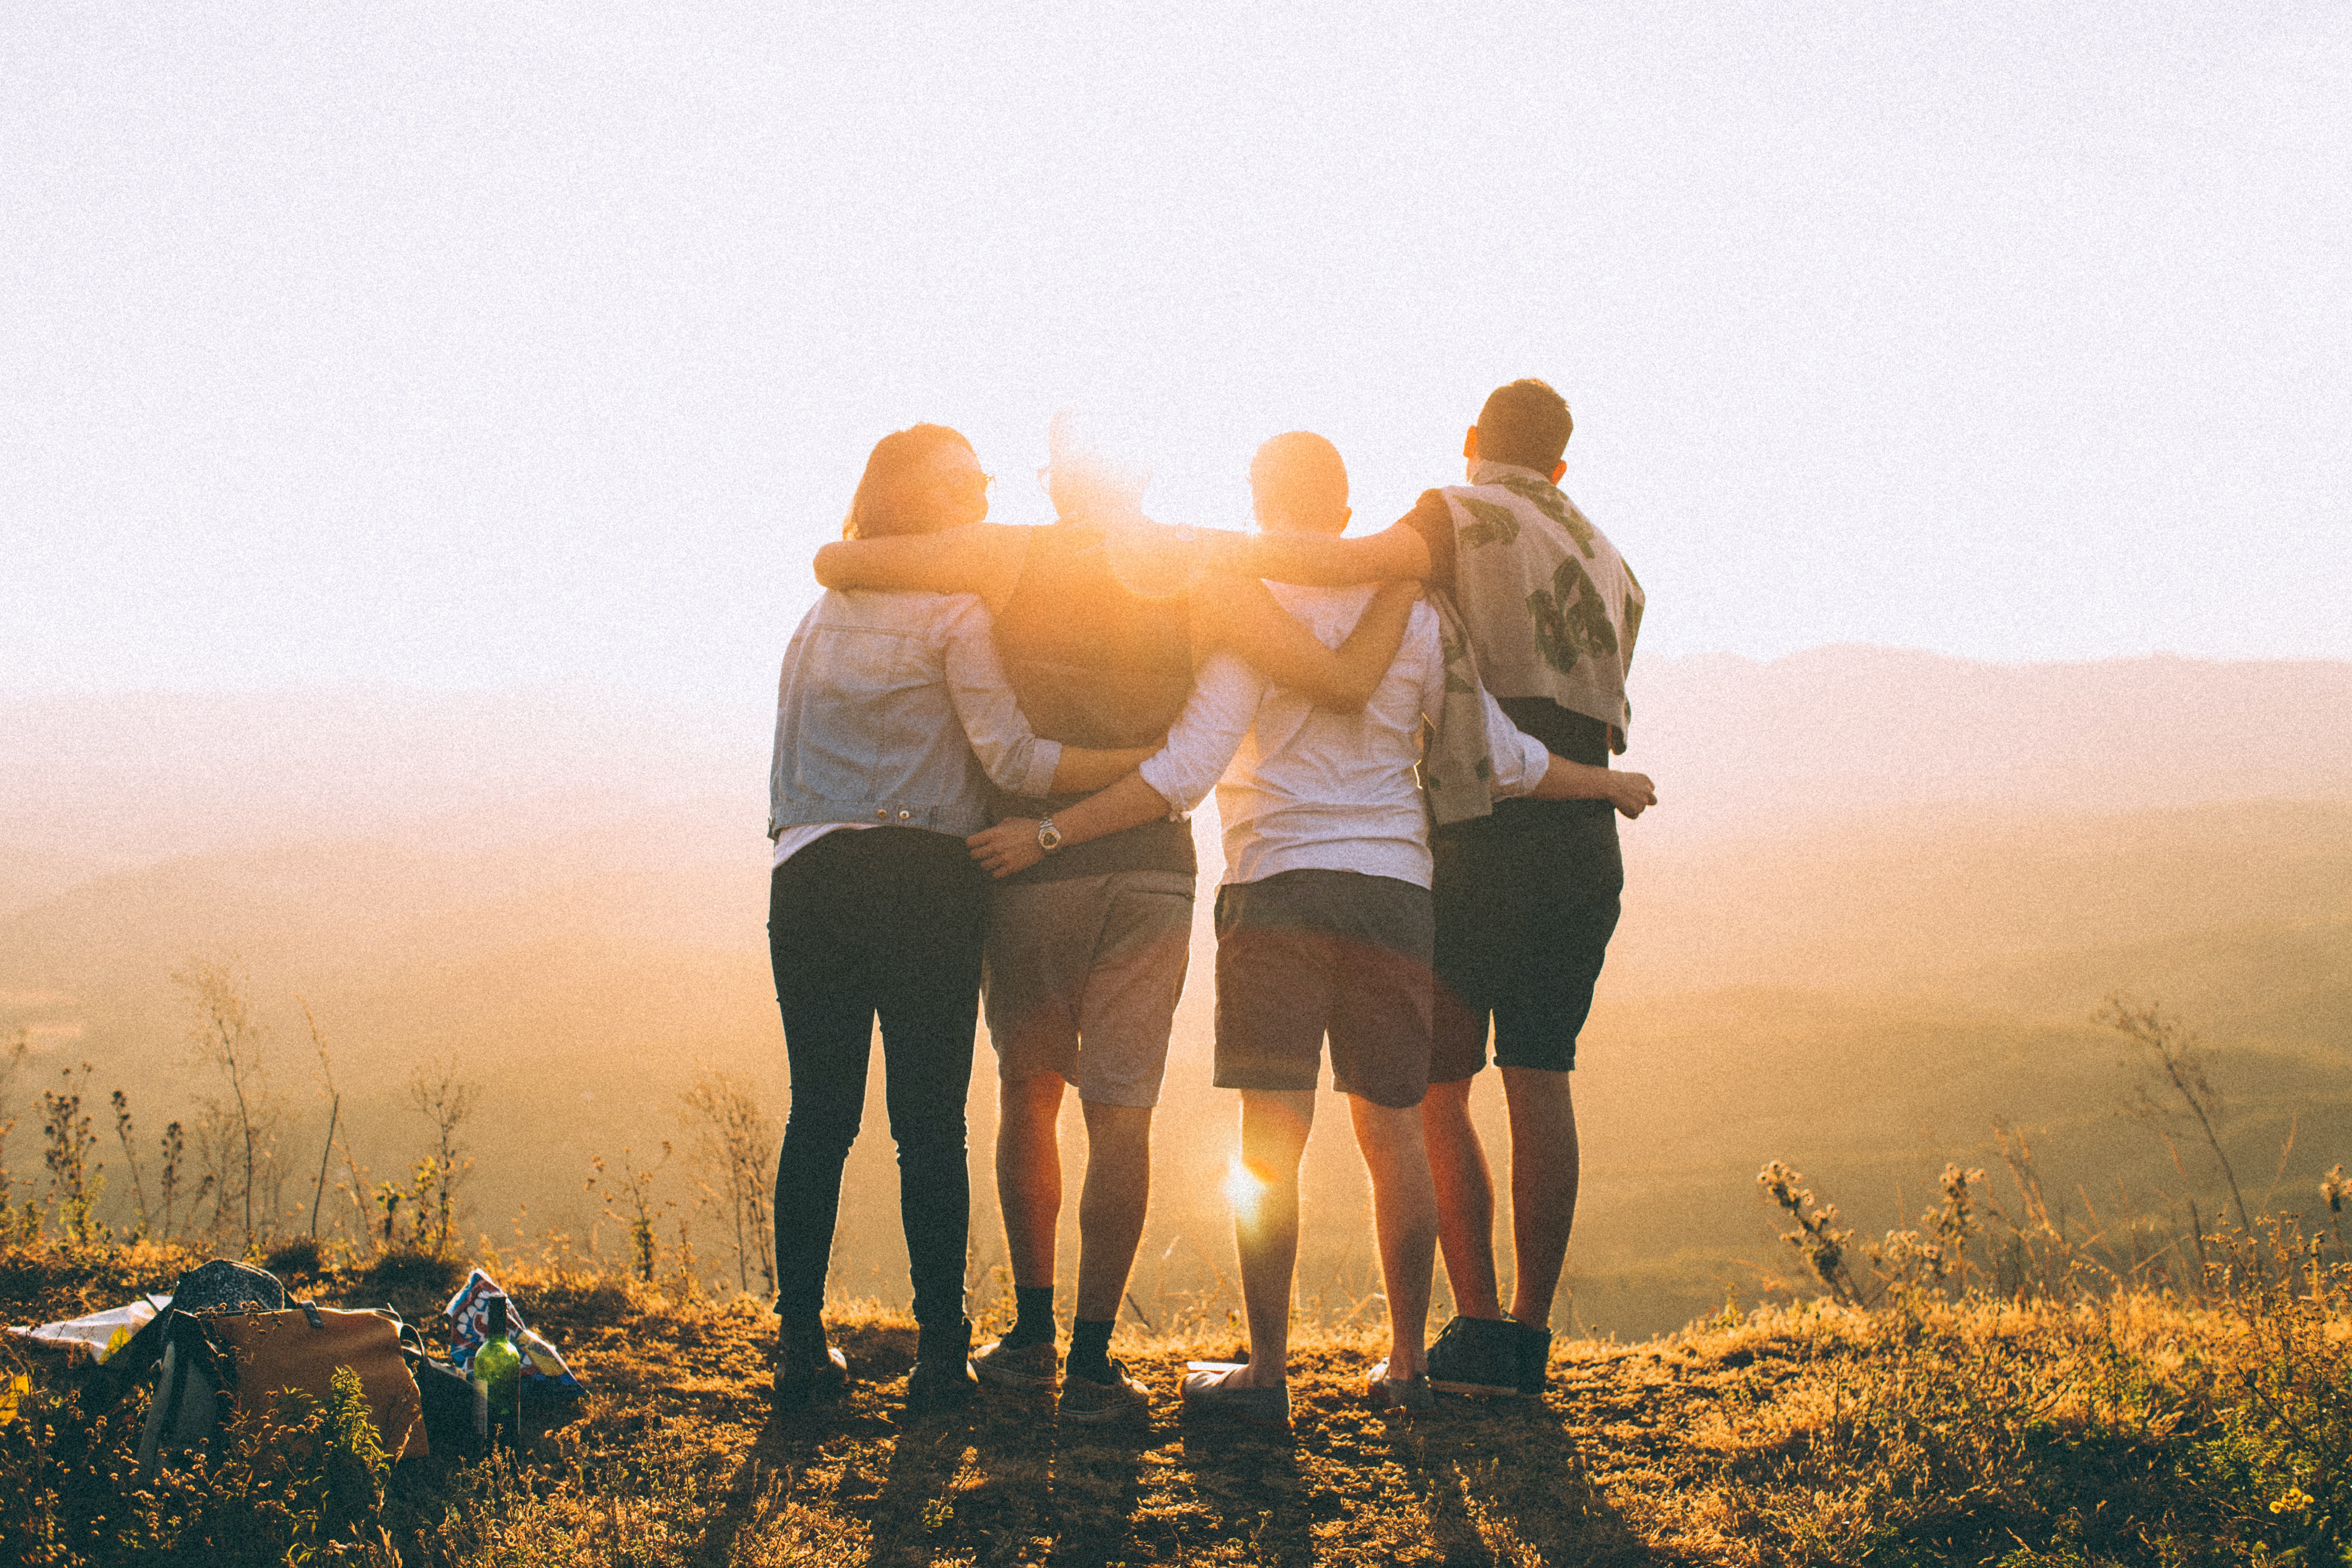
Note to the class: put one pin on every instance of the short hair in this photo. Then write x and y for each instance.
(879, 508)
(1526, 424)
(1302, 475)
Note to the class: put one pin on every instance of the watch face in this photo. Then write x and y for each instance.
(1049, 837)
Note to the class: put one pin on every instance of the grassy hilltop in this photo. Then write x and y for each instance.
(2208, 1426)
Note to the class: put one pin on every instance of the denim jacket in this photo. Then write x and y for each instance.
(893, 710)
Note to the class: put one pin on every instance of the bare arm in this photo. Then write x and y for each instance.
(1199, 745)
(983, 558)
(1522, 766)
(1084, 768)
(1629, 792)
(1012, 845)
(1320, 559)
(1238, 616)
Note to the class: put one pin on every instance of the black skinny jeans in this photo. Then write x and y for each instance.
(884, 921)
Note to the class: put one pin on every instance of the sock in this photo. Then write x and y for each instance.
(1035, 1326)
(1089, 1349)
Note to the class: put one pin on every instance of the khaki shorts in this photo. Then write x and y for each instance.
(1081, 978)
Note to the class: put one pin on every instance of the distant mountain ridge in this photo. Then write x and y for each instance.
(1737, 745)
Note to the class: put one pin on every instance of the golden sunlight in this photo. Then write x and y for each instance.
(1243, 1186)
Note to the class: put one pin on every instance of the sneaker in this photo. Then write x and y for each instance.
(1028, 1368)
(1405, 1393)
(1211, 1391)
(1477, 1356)
(808, 1370)
(1535, 1358)
(1092, 1403)
(942, 1377)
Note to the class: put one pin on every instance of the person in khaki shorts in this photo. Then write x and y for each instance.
(1099, 619)
(1324, 924)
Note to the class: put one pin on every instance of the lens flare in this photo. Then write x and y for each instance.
(1245, 1190)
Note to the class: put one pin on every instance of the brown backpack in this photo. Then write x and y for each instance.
(251, 1358)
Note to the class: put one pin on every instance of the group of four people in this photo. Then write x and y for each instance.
(987, 741)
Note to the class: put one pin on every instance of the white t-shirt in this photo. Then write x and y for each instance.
(1306, 788)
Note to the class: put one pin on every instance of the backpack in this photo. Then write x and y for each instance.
(229, 1336)
(222, 1285)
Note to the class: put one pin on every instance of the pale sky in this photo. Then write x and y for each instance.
(478, 345)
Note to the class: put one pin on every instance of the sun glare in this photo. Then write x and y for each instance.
(1245, 1189)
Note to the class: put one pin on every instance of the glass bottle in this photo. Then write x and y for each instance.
(497, 1376)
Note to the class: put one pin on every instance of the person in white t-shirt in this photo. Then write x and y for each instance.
(1324, 926)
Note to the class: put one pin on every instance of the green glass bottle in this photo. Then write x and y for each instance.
(497, 1377)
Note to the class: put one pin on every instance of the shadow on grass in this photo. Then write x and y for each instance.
(1249, 1483)
(1000, 1479)
(914, 1516)
(1096, 1484)
(1503, 1476)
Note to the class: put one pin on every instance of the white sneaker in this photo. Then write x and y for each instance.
(1029, 1368)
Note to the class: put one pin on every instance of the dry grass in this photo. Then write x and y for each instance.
(2134, 1431)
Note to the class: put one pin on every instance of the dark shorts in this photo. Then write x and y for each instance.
(1524, 919)
(1310, 953)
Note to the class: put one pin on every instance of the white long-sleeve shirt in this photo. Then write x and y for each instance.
(1305, 788)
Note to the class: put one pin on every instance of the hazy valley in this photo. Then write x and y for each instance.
(1872, 916)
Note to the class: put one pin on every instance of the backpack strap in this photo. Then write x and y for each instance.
(188, 1343)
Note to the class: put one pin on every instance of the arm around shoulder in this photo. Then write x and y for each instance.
(1325, 561)
(983, 558)
(1238, 616)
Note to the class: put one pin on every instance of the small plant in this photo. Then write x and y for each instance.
(1816, 1235)
(449, 1102)
(14, 1225)
(75, 1183)
(389, 1195)
(224, 1035)
(735, 1143)
(2173, 1068)
(422, 1200)
(354, 1184)
(174, 1149)
(629, 1199)
(218, 1143)
(353, 1463)
(130, 1157)
(1956, 1223)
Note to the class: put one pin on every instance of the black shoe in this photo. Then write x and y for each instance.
(808, 1370)
(942, 1378)
(1477, 1355)
(1535, 1357)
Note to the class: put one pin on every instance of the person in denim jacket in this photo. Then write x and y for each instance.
(893, 716)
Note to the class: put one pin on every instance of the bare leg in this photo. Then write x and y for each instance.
(1545, 1168)
(1112, 1204)
(1265, 1226)
(1404, 1208)
(1029, 1173)
(1466, 1199)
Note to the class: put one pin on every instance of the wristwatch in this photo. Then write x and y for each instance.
(1049, 837)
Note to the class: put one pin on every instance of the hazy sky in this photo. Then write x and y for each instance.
(472, 345)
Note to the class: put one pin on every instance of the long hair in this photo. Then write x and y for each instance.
(879, 508)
